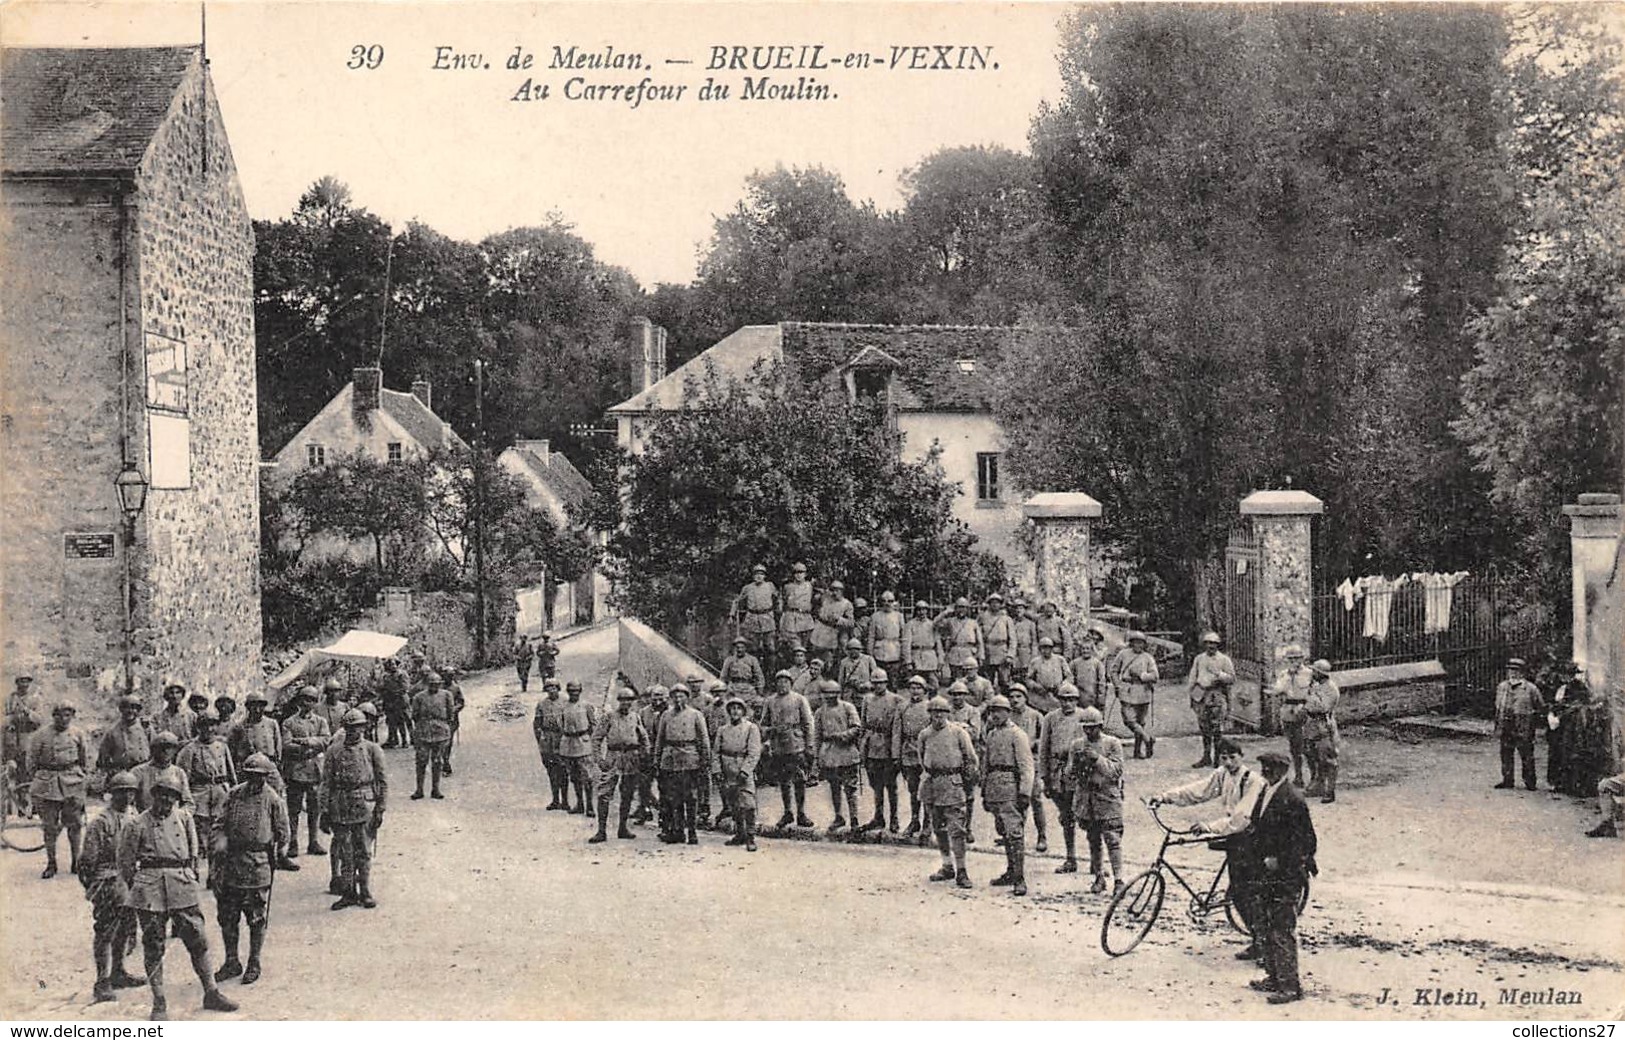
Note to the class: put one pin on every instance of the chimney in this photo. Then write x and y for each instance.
(369, 384)
(659, 353)
(641, 336)
(541, 449)
(422, 391)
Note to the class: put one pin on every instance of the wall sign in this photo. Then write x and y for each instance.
(88, 545)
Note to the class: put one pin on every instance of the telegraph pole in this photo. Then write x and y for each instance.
(479, 509)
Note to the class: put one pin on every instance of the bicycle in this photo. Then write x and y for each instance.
(20, 830)
(1135, 909)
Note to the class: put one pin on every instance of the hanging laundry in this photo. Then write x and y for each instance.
(1348, 592)
(1438, 591)
(1379, 602)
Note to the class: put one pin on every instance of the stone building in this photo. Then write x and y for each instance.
(128, 331)
(366, 418)
(554, 486)
(935, 379)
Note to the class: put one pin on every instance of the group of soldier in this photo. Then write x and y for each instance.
(201, 798)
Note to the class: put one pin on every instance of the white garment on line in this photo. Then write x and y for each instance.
(1437, 596)
(1379, 603)
(1348, 592)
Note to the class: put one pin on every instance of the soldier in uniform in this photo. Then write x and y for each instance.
(58, 762)
(127, 744)
(458, 703)
(1051, 623)
(355, 793)
(210, 773)
(21, 724)
(1031, 723)
(1089, 671)
(1208, 686)
(225, 706)
(547, 731)
(165, 746)
(547, 656)
(524, 656)
(176, 718)
(756, 611)
(681, 748)
(1517, 703)
(800, 670)
(1026, 645)
(1007, 788)
(743, 673)
(711, 703)
(998, 642)
(1292, 687)
(1061, 727)
(963, 636)
(1095, 763)
(576, 723)
(737, 751)
(832, 624)
(432, 711)
(113, 926)
(333, 707)
(1320, 731)
(158, 857)
(922, 645)
(837, 733)
(787, 720)
(1045, 674)
(392, 697)
(855, 672)
(650, 714)
(257, 733)
(946, 758)
(884, 636)
(796, 623)
(305, 735)
(882, 748)
(254, 828)
(1135, 677)
(911, 722)
(620, 743)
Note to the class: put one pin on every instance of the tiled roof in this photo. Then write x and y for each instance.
(942, 368)
(85, 110)
(419, 420)
(558, 474)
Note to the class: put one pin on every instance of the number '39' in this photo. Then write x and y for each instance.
(363, 56)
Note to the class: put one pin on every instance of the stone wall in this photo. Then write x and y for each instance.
(198, 608)
(963, 436)
(60, 402)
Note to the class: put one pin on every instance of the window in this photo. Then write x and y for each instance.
(315, 455)
(987, 476)
(394, 451)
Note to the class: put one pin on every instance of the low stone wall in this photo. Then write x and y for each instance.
(1390, 691)
(647, 657)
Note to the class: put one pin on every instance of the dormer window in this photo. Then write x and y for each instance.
(869, 383)
(868, 376)
(966, 365)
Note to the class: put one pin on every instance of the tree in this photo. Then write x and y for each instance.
(357, 496)
(771, 470)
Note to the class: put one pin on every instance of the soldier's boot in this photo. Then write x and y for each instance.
(120, 978)
(155, 981)
(1605, 829)
(363, 882)
(1329, 789)
(76, 836)
(802, 819)
(419, 792)
(961, 876)
(1041, 825)
(102, 991)
(1297, 770)
(50, 861)
(623, 831)
(348, 898)
(970, 816)
(256, 943)
(213, 999)
(435, 772)
(228, 939)
(750, 829)
(1069, 865)
(603, 822)
(739, 831)
(1018, 869)
(314, 844)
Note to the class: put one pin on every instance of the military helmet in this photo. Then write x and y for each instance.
(994, 597)
(759, 569)
(572, 686)
(170, 779)
(333, 683)
(1293, 652)
(917, 680)
(1045, 641)
(888, 597)
(854, 644)
(680, 688)
(368, 709)
(998, 700)
(794, 646)
(355, 717)
(258, 764)
(938, 703)
(1321, 666)
(1210, 637)
(130, 700)
(958, 686)
(198, 698)
(736, 700)
(837, 586)
(962, 602)
(1067, 692)
(1015, 686)
(166, 739)
(740, 641)
(173, 687)
(123, 780)
(783, 673)
(1136, 635)
(879, 676)
(550, 683)
(716, 686)
(208, 715)
(971, 663)
(67, 706)
(307, 691)
(626, 694)
(256, 697)
(1091, 716)
(433, 678)
(921, 604)
(658, 691)
(829, 686)
(800, 568)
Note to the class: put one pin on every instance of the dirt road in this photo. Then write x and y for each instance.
(491, 907)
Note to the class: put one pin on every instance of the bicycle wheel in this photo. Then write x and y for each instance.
(1132, 913)
(21, 833)
(1233, 913)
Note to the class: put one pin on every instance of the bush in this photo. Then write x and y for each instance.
(301, 602)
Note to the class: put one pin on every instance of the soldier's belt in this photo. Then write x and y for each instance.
(769, 610)
(733, 754)
(944, 770)
(626, 747)
(358, 785)
(574, 732)
(1295, 702)
(207, 781)
(680, 743)
(1000, 769)
(162, 864)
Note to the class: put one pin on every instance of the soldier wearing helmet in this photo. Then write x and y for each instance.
(576, 724)
(743, 672)
(962, 712)
(948, 765)
(210, 773)
(175, 717)
(1030, 722)
(57, 764)
(1320, 737)
(254, 827)
(524, 657)
(432, 712)
(1050, 623)
(756, 614)
(796, 623)
(257, 733)
(922, 645)
(883, 637)
(1045, 674)
(113, 927)
(962, 637)
(1026, 637)
(355, 793)
(158, 857)
(833, 624)
(682, 747)
(127, 743)
(620, 743)
(998, 642)
(392, 699)
(1134, 675)
(305, 735)
(882, 713)
(1291, 688)
(1089, 670)
(1007, 788)
(165, 750)
(656, 701)
(736, 751)
(837, 734)
(855, 672)
(548, 732)
(1208, 686)
(1095, 763)
(1055, 736)
(787, 737)
(333, 706)
(911, 722)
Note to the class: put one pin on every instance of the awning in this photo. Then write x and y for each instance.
(358, 644)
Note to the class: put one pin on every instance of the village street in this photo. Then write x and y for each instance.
(491, 908)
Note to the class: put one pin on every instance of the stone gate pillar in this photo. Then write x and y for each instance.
(1284, 586)
(1061, 549)
(1594, 533)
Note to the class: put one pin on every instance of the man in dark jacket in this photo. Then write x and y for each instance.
(1280, 848)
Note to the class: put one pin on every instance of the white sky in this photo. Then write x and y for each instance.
(448, 148)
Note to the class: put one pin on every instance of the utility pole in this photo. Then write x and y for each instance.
(479, 509)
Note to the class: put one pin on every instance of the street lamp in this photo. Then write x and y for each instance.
(132, 498)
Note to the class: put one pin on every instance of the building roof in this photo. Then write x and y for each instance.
(941, 368)
(83, 109)
(557, 473)
(419, 420)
